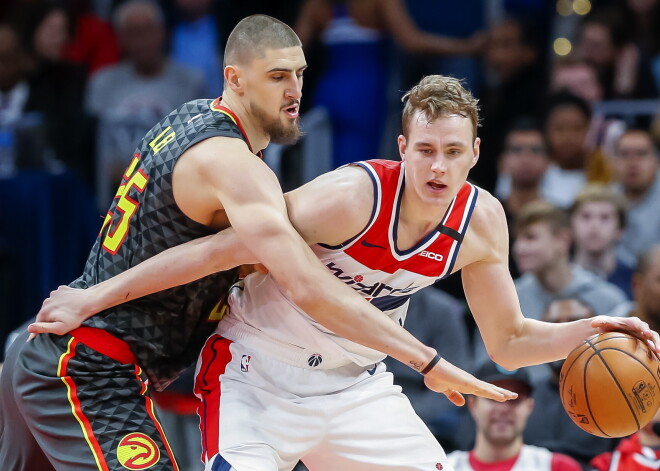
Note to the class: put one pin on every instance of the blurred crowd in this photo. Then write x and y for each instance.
(568, 91)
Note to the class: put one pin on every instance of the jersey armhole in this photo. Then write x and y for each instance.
(374, 209)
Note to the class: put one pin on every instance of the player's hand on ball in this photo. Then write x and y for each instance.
(630, 325)
(62, 312)
(453, 382)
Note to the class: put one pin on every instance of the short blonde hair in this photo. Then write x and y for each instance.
(438, 95)
(599, 193)
(542, 211)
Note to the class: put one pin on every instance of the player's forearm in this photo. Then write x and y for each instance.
(541, 342)
(173, 267)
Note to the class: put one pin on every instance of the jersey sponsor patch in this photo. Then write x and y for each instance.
(137, 451)
(432, 255)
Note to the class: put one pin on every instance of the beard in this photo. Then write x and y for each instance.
(278, 131)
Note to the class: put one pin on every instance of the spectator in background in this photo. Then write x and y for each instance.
(573, 164)
(353, 85)
(522, 167)
(92, 41)
(604, 41)
(514, 87)
(549, 425)
(57, 86)
(637, 175)
(499, 430)
(598, 218)
(646, 288)
(639, 452)
(130, 96)
(435, 318)
(541, 249)
(195, 41)
(577, 77)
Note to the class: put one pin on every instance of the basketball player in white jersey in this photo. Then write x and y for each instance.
(275, 385)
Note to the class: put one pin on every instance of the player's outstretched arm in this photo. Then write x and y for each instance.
(512, 340)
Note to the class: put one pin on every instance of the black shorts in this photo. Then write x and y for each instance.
(66, 406)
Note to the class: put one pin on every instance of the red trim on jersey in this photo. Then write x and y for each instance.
(214, 359)
(105, 343)
(216, 106)
(376, 247)
(149, 404)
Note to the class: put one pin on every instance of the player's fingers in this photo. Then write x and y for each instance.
(31, 336)
(47, 328)
(455, 397)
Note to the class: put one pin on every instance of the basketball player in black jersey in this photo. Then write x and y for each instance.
(77, 398)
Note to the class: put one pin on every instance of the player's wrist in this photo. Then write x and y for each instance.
(430, 365)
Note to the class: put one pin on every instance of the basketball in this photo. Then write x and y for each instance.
(610, 386)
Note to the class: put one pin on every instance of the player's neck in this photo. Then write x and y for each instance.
(489, 453)
(255, 134)
(417, 220)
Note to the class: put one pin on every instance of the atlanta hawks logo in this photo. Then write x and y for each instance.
(137, 451)
(315, 360)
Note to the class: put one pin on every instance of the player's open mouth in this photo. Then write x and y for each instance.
(435, 186)
(292, 111)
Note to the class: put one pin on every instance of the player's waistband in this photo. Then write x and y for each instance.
(250, 337)
(104, 343)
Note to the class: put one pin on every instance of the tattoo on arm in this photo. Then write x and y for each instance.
(416, 365)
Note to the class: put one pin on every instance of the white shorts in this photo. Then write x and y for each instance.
(261, 414)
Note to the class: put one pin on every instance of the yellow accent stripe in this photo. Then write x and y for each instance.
(65, 354)
(227, 114)
(69, 396)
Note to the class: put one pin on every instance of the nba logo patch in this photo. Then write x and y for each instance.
(245, 363)
(315, 360)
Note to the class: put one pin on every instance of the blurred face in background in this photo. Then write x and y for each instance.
(51, 36)
(579, 79)
(596, 226)
(525, 158)
(141, 35)
(506, 53)
(502, 423)
(565, 310)
(566, 132)
(596, 46)
(635, 162)
(538, 248)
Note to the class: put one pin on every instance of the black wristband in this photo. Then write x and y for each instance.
(431, 364)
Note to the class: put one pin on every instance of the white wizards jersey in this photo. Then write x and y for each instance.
(370, 263)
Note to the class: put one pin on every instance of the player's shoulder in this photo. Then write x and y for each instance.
(488, 212)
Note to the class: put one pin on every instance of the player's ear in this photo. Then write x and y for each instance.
(232, 76)
(402, 143)
(477, 150)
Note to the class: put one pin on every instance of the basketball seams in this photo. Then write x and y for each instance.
(653, 375)
(586, 395)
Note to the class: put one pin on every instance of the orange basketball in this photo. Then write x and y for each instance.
(610, 386)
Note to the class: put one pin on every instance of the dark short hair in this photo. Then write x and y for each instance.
(566, 99)
(255, 34)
